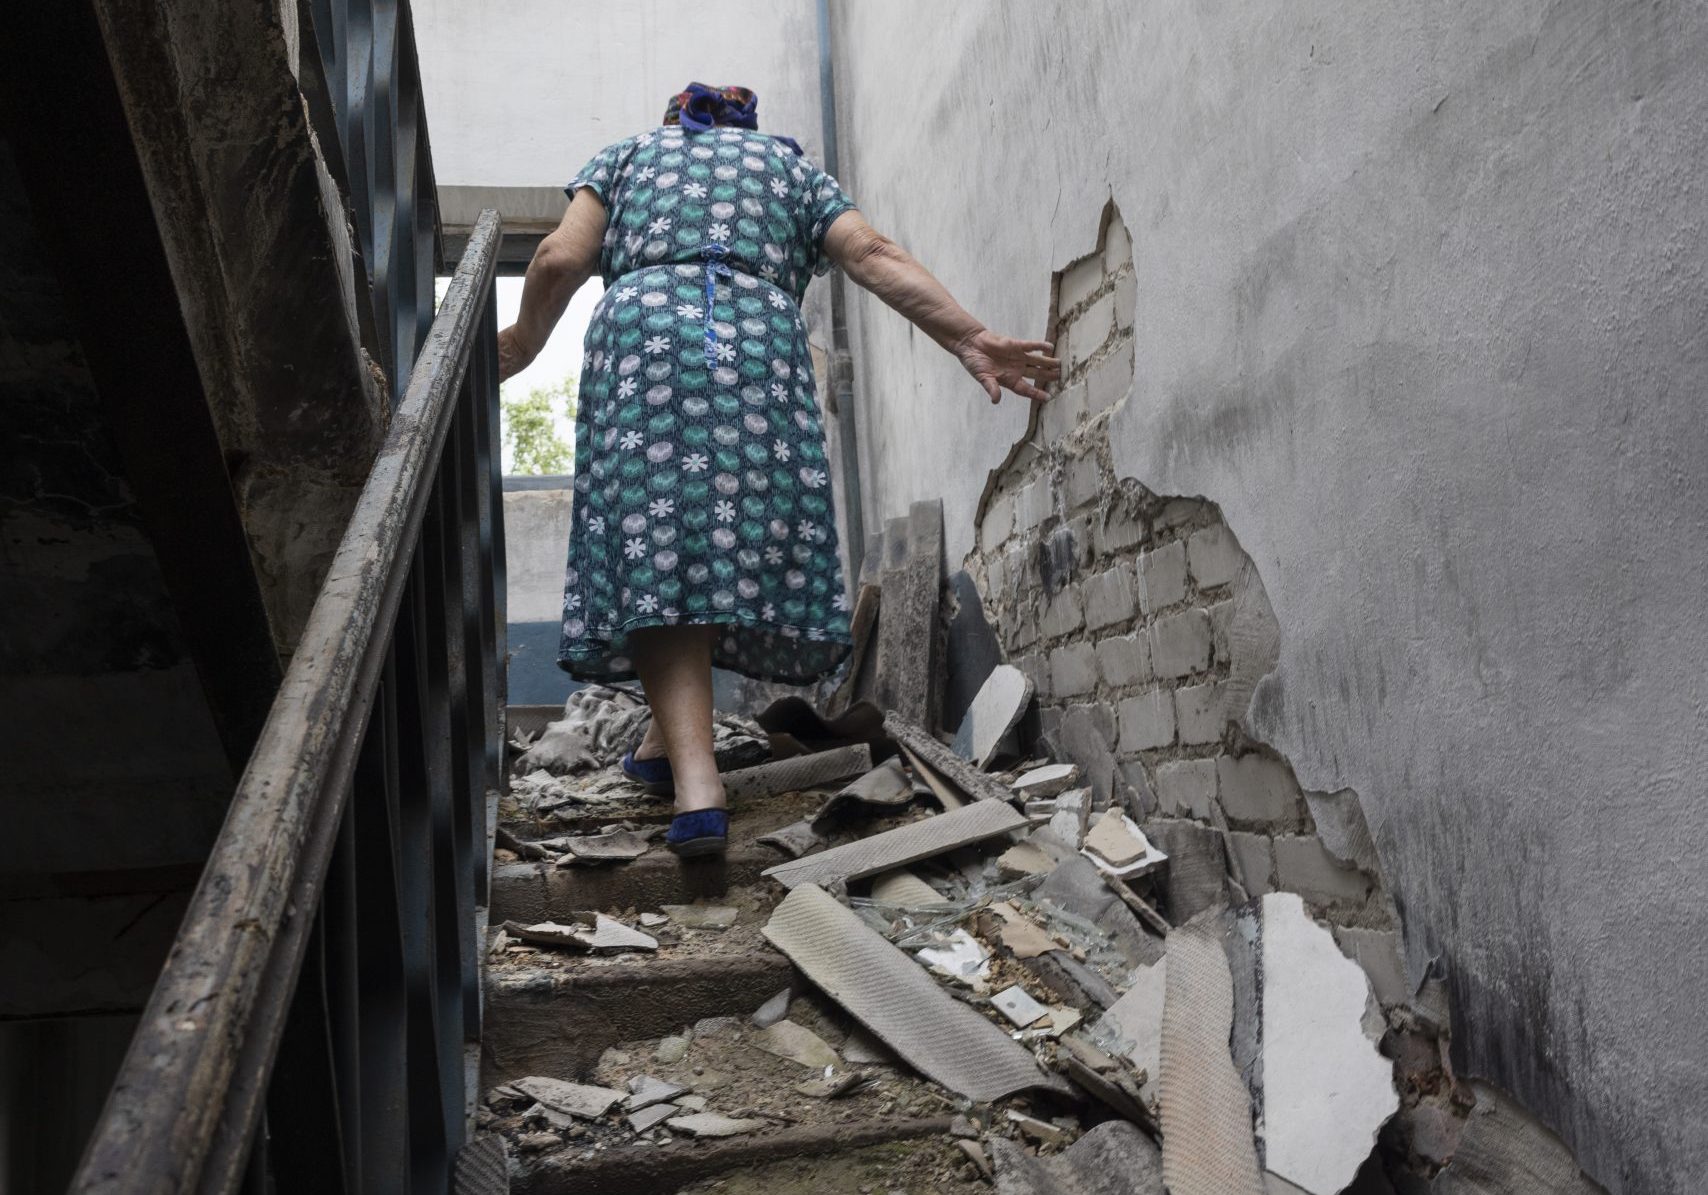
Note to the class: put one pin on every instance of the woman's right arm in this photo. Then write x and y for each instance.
(887, 270)
(567, 257)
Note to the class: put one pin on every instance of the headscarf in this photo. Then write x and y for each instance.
(701, 107)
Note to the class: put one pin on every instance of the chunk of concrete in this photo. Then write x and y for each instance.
(617, 846)
(1327, 1089)
(1024, 859)
(702, 916)
(712, 1124)
(610, 936)
(884, 787)
(1001, 701)
(649, 1090)
(1046, 781)
(1115, 1158)
(580, 1100)
(651, 1117)
(773, 1010)
(797, 1043)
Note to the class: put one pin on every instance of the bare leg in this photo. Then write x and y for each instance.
(675, 668)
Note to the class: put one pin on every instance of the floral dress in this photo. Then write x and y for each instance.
(702, 491)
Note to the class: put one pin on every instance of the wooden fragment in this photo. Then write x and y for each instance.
(912, 738)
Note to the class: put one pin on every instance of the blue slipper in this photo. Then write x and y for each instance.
(702, 832)
(651, 774)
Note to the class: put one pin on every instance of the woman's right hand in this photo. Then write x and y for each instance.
(997, 361)
(513, 358)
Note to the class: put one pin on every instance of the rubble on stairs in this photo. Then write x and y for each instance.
(973, 934)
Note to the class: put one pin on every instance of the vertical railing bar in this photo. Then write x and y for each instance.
(384, 1007)
(429, 1144)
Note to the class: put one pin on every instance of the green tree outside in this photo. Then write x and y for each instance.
(530, 428)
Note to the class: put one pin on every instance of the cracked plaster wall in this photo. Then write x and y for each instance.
(1419, 307)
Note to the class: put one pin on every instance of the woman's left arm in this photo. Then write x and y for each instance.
(567, 257)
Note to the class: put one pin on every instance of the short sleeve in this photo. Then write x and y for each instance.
(825, 200)
(601, 173)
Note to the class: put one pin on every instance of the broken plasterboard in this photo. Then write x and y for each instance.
(894, 997)
(1327, 1090)
(1208, 1147)
(901, 846)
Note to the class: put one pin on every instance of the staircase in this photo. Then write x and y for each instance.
(683, 1015)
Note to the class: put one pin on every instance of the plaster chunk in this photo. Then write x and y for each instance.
(1327, 1089)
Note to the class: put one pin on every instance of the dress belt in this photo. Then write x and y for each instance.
(713, 254)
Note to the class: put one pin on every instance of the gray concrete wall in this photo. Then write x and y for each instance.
(1419, 305)
(521, 94)
(536, 539)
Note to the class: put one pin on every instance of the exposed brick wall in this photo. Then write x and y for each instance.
(1142, 622)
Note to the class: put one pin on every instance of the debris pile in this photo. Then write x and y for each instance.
(975, 934)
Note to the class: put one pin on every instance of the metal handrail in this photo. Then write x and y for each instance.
(185, 1108)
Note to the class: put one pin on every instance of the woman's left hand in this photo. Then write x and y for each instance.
(997, 361)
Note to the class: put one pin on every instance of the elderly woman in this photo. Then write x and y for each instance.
(703, 531)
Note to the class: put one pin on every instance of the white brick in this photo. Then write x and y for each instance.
(1126, 299)
(1089, 332)
(996, 577)
(1032, 665)
(1304, 866)
(1253, 860)
(1079, 282)
(1199, 714)
(1187, 787)
(1214, 557)
(1109, 598)
(1109, 380)
(998, 523)
(1021, 627)
(1124, 659)
(1034, 504)
(1084, 482)
(1118, 531)
(1064, 615)
(1162, 577)
(1146, 721)
(1073, 670)
(1180, 643)
(1258, 789)
(1064, 411)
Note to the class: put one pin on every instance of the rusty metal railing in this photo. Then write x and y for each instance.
(308, 1032)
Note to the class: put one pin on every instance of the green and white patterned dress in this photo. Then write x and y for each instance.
(702, 490)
